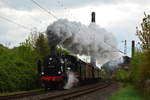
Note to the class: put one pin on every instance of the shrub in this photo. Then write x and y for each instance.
(122, 75)
(140, 72)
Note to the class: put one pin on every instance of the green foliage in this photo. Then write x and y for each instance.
(134, 66)
(144, 67)
(127, 93)
(18, 68)
(61, 50)
(144, 74)
(41, 46)
(144, 34)
(122, 75)
(140, 71)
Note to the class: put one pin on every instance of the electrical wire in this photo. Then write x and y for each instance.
(11, 21)
(38, 21)
(115, 48)
(44, 9)
(65, 8)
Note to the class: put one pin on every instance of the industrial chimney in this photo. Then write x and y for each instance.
(93, 17)
(133, 48)
(93, 59)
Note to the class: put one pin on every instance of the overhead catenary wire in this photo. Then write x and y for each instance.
(67, 9)
(37, 21)
(11, 21)
(44, 9)
(115, 48)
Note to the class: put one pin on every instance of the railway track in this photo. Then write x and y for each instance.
(21, 95)
(57, 95)
(77, 93)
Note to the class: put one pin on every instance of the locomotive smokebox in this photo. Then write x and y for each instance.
(93, 17)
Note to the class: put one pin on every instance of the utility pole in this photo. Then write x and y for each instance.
(125, 47)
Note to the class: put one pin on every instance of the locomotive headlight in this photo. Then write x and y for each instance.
(68, 68)
(59, 72)
(42, 73)
(50, 58)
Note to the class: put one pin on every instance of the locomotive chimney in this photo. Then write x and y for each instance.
(93, 17)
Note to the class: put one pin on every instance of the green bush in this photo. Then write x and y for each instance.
(134, 66)
(122, 75)
(18, 69)
(140, 72)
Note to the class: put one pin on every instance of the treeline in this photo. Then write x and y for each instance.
(18, 69)
(140, 65)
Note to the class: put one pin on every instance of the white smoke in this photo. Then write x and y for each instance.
(72, 80)
(116, 62)
(112, 65)
(89, 40)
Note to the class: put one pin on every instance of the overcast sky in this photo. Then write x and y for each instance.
(119, 17)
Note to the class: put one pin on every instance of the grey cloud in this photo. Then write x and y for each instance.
(50, 4)
(120, 28)
(57, 4)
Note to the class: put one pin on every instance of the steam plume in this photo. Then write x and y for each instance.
(89, 40)
(72, 80)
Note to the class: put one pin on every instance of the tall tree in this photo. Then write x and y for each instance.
(144, 33)
(41, 46)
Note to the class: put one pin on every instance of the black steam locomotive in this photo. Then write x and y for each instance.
(53, 71)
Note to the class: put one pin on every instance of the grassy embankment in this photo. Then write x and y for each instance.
(19, 92)
(127, 93)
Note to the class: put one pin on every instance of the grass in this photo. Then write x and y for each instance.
(18, 92)
(128, 93)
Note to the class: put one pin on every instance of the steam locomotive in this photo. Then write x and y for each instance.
(53, 71)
